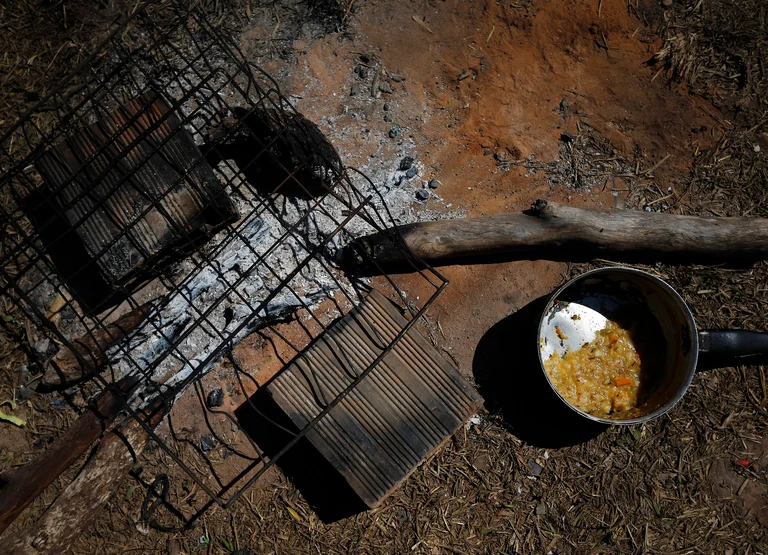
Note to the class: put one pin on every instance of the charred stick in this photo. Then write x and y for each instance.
(69, 366)
(20, 486)
(75, 508)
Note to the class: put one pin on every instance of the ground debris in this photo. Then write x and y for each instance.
(719, 48)
(587, 161)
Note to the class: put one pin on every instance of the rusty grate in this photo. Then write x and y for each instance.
(163, 203)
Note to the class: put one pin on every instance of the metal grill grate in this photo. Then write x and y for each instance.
(163, 203)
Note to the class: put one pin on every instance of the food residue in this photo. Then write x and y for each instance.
(602, 377)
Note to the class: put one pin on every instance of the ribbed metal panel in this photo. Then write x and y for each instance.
(395, 417)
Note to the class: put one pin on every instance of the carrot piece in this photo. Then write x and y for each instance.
(621, 381)
(614, 337)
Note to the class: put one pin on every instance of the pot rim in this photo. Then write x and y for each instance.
(688, 316)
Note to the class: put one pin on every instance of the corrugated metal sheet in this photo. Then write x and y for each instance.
(395, 417)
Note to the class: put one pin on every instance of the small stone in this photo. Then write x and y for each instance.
(536, 468)
(406, 163)
(42, 346)
(25, 393)
(541, 509)
(433, 184)
(487, 152)
(386, 106)
(422, 194)
(393, 132)
(397, 78)
(482, 463)
(412, 171)
(59, 404)
(388, 117)
(215, 398)
(207, 443)
(756, 148)
(667, 3)
(355, 90)
(386, 87)
(25, 376)
(365, 58)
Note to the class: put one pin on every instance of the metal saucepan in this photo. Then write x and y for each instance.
(661, 327)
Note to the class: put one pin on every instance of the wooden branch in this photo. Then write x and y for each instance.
(75, 509)
(21, 486)
(562, 232)
(66, 368)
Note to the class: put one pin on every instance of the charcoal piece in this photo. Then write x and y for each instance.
(207, 443)
(215, 398)
(278, 152)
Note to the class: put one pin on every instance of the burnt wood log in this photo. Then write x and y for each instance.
(69, 367)
(560, 232)
(20, 486)
(75, 509)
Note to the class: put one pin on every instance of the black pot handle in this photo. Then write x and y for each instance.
(720, 348)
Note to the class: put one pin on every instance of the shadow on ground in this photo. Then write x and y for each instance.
(509, 376)
(324, 489)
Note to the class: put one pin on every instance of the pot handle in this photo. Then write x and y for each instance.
(719, 348)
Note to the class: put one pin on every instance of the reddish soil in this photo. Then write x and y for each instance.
(486, 77)
(480, 79)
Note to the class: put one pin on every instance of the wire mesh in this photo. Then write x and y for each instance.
(166, 202)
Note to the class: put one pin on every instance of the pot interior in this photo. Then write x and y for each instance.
(659, 323)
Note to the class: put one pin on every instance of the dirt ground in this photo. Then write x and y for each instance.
(505, 103)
